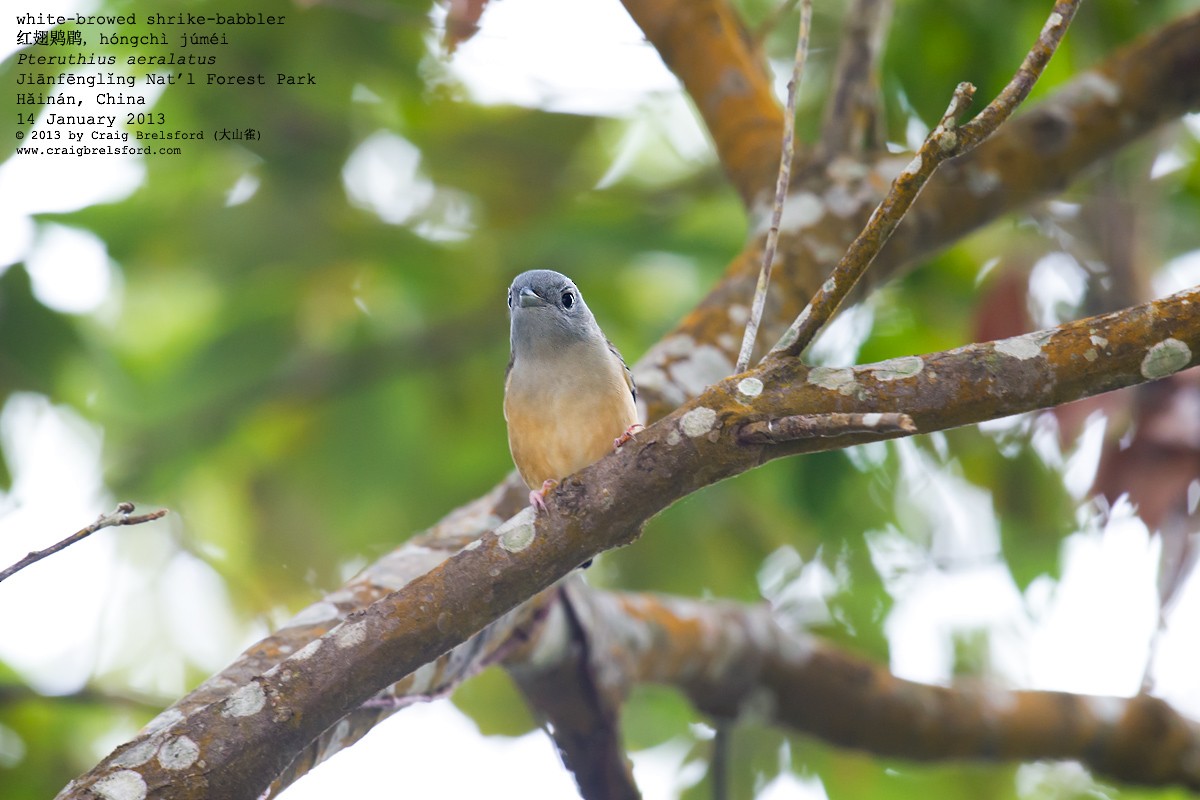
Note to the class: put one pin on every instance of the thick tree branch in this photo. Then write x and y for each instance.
(435, 679)
(557, 674)
(739, 660)
(990, 380)
(605, 506)
(1135, 90)
(704, 44)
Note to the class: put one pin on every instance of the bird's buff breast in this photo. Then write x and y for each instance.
(561, 420)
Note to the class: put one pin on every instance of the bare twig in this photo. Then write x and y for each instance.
(944, 142)
(1018, 88)
(119, 516)
(813, 426)
(862, 251)
(787, 151)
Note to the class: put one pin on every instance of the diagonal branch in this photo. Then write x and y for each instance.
(944, 142)
(1135, 90)
(704, 44)
(226, 743)
(733, 659)
(990, 380)
(121, 515)
(1021, 84)
(938, 146)
(1146, 84)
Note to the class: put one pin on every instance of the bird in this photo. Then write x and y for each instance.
(568, 396)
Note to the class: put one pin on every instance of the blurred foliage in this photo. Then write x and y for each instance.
(308, 372)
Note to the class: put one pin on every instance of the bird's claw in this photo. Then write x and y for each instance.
(627, 435)
(537, 497)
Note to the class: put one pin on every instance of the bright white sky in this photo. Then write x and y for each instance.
(1086, 633)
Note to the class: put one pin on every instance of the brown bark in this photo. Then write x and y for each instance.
(235, 748)
(317, 671)
(704, 43)
(738, 660)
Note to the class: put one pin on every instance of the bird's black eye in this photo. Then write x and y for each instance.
(510, 298)
(568, 299)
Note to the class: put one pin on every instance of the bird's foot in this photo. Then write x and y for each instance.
(537, 497)
(627, 435)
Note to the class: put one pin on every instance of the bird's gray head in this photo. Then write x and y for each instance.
(548, 313)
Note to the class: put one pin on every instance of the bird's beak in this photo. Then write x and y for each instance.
(528, 298)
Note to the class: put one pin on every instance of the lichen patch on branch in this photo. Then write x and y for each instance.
(1108, 710)
(245, 702)
(803, 210)
(706, 366)
(517, 533)
(138, 754)
(1100, 87)
(698, 421)
(123, 785)
(351, 635)
(678, 367)
(321, 611)
(1019, 347)
(308, 651)
(750, 387)
(160, 723)
(898, 368)
(1165, 358)
(981, 180)
(838, 379)
(179, 752)
(423, 679)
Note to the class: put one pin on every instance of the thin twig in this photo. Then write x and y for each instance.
(879, 227)
(781, 187)
(818, 426)
(119, 516)
(989, 119)
(944, 142)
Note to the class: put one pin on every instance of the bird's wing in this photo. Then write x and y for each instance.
(628, 375)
